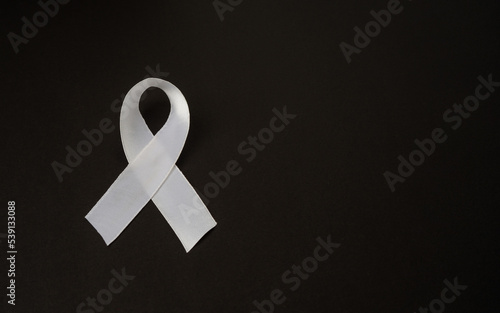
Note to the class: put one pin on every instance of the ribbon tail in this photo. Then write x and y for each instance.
(183, 209)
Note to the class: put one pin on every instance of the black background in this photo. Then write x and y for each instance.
(323, 175)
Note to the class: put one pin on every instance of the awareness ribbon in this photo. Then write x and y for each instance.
(152, 173)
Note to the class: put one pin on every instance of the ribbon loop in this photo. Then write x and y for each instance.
(152, 173)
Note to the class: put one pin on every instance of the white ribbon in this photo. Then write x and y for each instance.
(152, 173)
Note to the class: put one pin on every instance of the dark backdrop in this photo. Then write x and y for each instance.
(322, 176)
